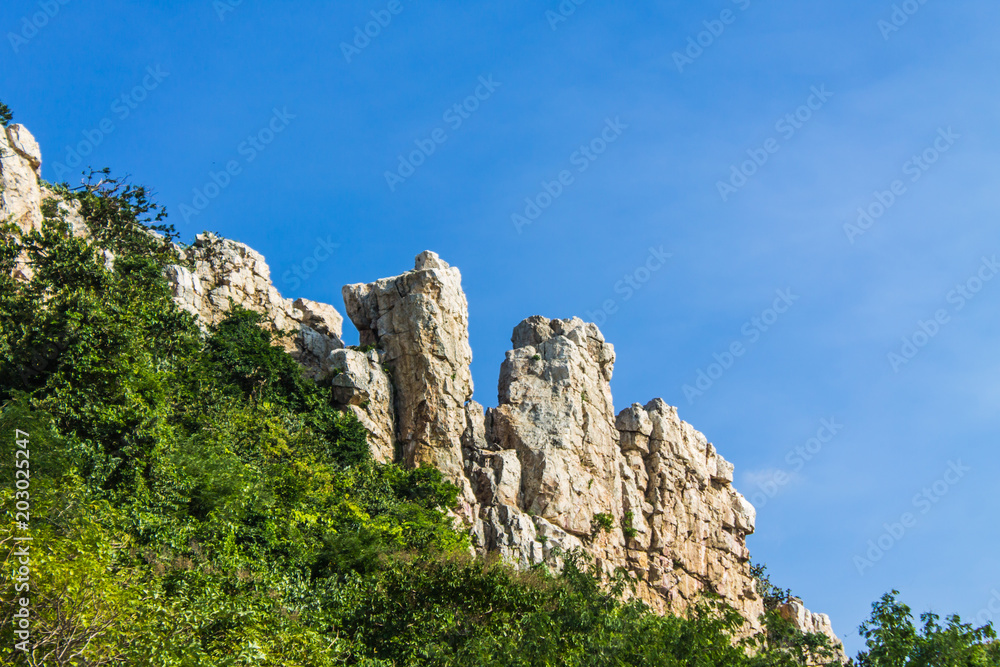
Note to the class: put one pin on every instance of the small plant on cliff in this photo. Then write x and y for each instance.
(772, 596)
(6, 115)
(627, 525)
(603, 523)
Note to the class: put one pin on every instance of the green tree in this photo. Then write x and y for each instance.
(893, 640)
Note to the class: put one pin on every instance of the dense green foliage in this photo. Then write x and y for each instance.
(893, 640)
(196, 502)
(6, 115)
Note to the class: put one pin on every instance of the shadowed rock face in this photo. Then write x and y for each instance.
(360, 384)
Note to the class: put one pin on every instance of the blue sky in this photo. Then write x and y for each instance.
(681, 126)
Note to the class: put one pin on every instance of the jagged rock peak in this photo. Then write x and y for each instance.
(420, 322)
(555, 410)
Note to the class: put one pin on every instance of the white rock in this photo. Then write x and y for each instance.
(360, 384)
(420, 321)
(20, 192)
(24, 143)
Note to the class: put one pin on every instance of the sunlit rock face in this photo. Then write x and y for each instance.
(20, 169)
(551, 469)
(224, 271)
(420, 322)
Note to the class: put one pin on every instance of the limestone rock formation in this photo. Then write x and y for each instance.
(689, 525)
(669, 512)
(420, 321)
(555, 412)
(795, 611)
(20, 169)
(360, 384)
(227, 271)
(550, 470)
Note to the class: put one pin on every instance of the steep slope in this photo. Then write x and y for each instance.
(551, 469)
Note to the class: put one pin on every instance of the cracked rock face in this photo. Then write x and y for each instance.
(20, 169)
(225, 270)
(420, 322)
(689, 525)
(555, 412)
(360, 384)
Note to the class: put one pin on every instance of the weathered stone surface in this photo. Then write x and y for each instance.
(693, 521)
(25, 145)
(556, 412)
(225, 271)
(320, 317)
(360, 385)
(420, 322)
(795, 611)
(20, 165)
(676, 521)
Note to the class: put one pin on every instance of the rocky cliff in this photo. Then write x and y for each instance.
(550, 469)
